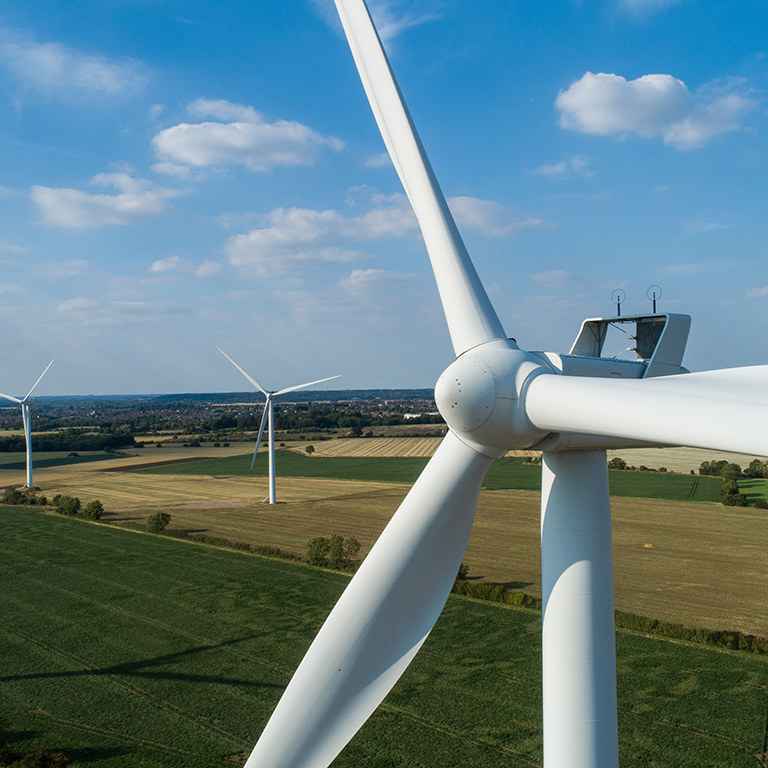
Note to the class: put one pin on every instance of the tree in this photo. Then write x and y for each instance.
(760, 504)
(730, 496)
(756, 468)
(93, 510)
(310, 449)
(158, 522)
(617, 463)
(66, 505)
(334, 552)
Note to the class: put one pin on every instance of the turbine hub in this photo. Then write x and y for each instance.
(479, 396)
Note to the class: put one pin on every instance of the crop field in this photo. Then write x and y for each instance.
(508, 473)
(382, 446)
(127, 650)
(696, 563)
(703, 565)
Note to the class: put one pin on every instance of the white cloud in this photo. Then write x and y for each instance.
(137, 200)
(172, 169)
(293, 236)
(248, 140)
(93, 312)
(758, 293)
(648, 6)
(578, 165)
(208, 268)
(54, 270)
(556, 278)
(379, 161)
(167, 264)
(389, 22)
(366, 280)
(221, 109)
(55, 67)
(700, 224)
(298, 235)
(9, 248)
(652, 105)
(492, 219)
(558, 169)
(681, 269)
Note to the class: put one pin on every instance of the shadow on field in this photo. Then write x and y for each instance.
(11, 737)
(92, 754)
(147, 668)
(513, 586)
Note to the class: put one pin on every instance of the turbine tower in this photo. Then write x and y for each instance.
(26, 420)
(268, 417)
(496, 397)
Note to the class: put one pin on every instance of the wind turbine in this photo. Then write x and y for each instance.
(268, 416)
(496, 397)
(26, 420)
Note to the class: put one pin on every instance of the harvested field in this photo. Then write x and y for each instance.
(143, 491)
(679, 459)
(376, 446)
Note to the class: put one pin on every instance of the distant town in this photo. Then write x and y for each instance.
(107, 422)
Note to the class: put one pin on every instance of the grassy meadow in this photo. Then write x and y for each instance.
(130, 650)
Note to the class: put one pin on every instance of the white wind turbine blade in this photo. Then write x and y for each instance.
(250, 378)
(722, 410)
(308, 384)
(38, 381)
(10, 397)
(261, 430)
(470, 315)
(382, 618)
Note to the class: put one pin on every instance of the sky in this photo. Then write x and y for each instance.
(178, 175)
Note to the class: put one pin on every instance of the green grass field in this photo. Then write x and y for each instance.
(505, 474)
(53, 459)
(129, 650)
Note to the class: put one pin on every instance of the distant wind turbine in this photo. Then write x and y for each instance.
(26, 419)
(268, 415)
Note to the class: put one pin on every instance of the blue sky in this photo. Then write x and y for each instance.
(179, 175)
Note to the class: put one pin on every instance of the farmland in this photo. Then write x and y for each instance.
(131, 650)
(504, 474)
(701, 564)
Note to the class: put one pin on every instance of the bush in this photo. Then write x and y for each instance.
(66, 505)
(17, 496)
(93, 510)
(14, 496)
(42, 758)
(335, 552)
(760, 504)
(617, 463)
(158, 522)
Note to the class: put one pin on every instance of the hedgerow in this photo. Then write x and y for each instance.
(731, 639)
